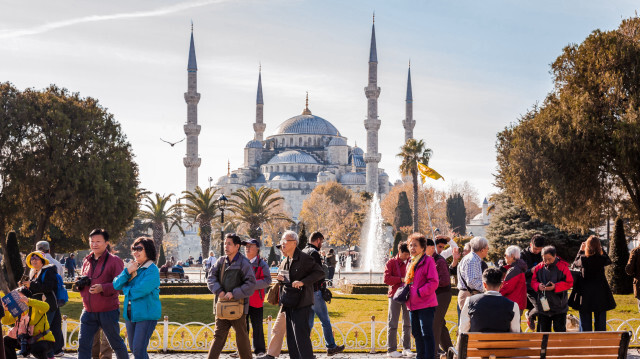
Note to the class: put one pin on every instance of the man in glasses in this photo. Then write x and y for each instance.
(99, 299)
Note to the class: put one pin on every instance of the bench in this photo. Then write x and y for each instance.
(542, 345)
(173, 277)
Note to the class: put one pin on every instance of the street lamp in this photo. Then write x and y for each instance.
(222, 204)
(210, 180)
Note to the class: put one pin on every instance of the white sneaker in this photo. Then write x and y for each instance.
(395, 354)
(407, 353)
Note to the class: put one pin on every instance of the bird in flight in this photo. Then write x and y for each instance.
(172, 143)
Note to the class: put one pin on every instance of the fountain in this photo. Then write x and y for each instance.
(375, 239)
(347, 264)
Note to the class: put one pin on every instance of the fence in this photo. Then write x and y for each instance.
(369, 336)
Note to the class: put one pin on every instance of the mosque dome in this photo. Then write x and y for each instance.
(292, 156)
(253, 144)
(284, 177)
(353, 178)
(357, 151)
(338, 141)
(307, 125)
(358, 159)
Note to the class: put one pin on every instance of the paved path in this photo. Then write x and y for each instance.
(633, 354)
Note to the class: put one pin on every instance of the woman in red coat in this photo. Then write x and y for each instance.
(514, 285)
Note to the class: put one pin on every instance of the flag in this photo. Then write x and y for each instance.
(427, 172)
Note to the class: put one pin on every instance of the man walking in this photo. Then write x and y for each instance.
(319, 306)
(531, 256)
(394, 273)
(299, 271)
(256, 301)
(70, 264)
(99, 299)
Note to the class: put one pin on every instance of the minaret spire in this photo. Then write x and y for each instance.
(306, 110)
(408, 122)
(372, 123)
(191, 128)
(259, 126)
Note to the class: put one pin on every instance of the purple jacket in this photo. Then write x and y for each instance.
(425, 283)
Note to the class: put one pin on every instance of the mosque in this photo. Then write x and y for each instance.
(303, 151)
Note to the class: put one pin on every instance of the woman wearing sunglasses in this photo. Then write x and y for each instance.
(140, 282)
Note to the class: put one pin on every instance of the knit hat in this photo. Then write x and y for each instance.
(39, 254)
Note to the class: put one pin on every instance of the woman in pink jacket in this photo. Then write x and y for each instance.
(423, 277)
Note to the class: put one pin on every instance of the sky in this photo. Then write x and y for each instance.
(476, 67)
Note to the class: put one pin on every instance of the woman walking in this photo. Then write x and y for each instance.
(140, 282)
(596, 296)
(422, 275)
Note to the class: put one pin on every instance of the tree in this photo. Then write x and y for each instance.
(70, 168)
(162, 258)
(563, 159)
(513, 225)
(123, 248)
(273, 257)
(336, 211)
(302, 237)
(12, 261)
(620, 282)
(254, 207)
(402, 216)
(396, 242)
(160, 216)
(412, 152)
(200, 207)
(469, 194)
(456, 214)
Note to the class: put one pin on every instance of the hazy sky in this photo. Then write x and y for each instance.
(476, 67)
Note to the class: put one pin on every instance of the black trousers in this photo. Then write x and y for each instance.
(299, 333)
(255, 316)
(55, 323)
(38, 349)
(559, 322)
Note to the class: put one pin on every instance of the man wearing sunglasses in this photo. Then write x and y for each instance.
(101, 307)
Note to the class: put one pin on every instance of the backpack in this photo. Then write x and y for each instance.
(61, 292)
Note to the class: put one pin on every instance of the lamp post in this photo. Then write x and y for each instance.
(222, 204)
(210, 180)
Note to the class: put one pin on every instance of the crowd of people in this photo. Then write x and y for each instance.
(532, 282)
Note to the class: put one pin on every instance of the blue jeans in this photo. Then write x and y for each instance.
(139, 334)
(600, 319)
(108, 321)
(422, 330)
(319, 308)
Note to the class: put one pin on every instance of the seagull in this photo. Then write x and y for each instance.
(172, 143)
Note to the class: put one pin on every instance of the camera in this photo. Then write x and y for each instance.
(23, 340)
(81, 283)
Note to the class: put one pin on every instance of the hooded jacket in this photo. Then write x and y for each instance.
(514, 285)
(107, 300)
(559, 274)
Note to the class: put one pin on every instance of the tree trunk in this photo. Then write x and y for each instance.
(205, 239)
(414, 176)
(158, 236)
(4, 286)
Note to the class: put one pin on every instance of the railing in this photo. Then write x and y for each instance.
(369, 336)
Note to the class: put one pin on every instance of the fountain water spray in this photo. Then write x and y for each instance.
(375, 239)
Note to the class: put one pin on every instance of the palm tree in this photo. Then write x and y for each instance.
(255, 207)
(159, 217)
(201, 208)
(412, 152)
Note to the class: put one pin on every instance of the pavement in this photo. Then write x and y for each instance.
(632, 354)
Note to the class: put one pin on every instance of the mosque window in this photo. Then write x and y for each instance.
(300, 141)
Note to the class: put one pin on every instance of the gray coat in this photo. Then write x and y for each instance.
(242, 292)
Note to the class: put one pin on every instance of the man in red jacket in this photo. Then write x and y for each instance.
(394, 274)
(552, 280)
(256, 301)
(101, 307)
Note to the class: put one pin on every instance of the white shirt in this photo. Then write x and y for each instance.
(59, 266)
(209, 262)
(449, 251)
(465, 320)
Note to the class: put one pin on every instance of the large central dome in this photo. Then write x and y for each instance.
(307, 125)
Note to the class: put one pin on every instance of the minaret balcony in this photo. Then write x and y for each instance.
(372, 125)
(191, 129)
(372, 157)
(192, 98)
(192, 161)
(372, 92)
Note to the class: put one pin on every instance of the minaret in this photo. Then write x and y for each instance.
(372, 123)
(191, 128)
(408, 122)
(259, 126)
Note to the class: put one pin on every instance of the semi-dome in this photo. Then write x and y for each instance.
(307, 125)
(284, 177)
(338, 141)
(253, 144)
(357, 151)
(292, 156)
(353, 178)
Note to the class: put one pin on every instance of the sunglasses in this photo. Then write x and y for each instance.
(137, 248)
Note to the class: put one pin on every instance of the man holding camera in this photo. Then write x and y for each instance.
(99, 299)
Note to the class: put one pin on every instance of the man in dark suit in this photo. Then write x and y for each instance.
(299, 271)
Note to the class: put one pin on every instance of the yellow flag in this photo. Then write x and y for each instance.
(428, 172)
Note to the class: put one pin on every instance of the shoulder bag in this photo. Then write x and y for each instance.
(272, 295)
(402, 293)
(228, 309)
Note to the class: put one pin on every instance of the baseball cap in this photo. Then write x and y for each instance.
(252, 241)
(42, 246)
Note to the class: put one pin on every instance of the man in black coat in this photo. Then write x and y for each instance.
(532, 256)
(299, 271)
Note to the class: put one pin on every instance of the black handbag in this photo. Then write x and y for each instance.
(402, 294)
(290, 296)
(326, 294)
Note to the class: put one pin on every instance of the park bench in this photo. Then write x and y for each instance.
(173, 277)
(580, 345)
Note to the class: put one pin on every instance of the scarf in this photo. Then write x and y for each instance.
(411, 269)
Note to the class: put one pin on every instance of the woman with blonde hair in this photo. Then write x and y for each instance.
(595, 297)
